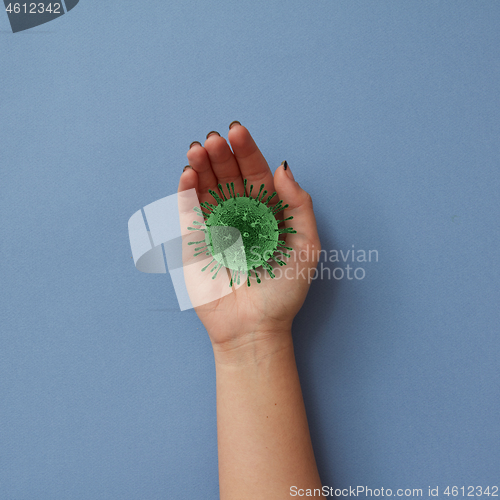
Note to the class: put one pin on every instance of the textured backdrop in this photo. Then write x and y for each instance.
(387, 113)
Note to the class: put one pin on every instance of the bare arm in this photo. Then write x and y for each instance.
(263, 436)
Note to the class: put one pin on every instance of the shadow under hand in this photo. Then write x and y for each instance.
(309, 326)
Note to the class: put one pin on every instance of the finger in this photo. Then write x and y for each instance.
(252, 164)
(187, 201)
(224, 164)
(199, 160)
(205, 278)
(300, 207)
(189, 211)
(188, 179)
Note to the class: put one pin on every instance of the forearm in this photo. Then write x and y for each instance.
(263, 435)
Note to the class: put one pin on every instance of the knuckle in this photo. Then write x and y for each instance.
(308, 199)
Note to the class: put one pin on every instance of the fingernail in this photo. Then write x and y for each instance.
(286, 168)
(212, 132)
(234, 123)
(194, 142)
(187, 166)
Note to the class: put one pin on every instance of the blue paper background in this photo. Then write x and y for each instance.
(388, 114)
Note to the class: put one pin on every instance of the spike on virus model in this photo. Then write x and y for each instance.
(241, 233)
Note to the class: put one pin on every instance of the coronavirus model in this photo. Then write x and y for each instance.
(241, 233)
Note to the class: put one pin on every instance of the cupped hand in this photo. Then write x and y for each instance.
(241, 315)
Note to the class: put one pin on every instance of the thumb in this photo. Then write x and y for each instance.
(300, 207)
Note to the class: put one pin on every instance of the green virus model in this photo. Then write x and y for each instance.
(241, 233)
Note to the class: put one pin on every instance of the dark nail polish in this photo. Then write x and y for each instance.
(234, 123)
(194, 142)
(285, 165)
(187, 166)
(212, 132)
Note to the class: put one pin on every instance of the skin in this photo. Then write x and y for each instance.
(263, 436)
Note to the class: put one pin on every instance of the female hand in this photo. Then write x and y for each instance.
(262, 314)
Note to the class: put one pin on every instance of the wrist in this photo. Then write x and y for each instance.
(252, 347)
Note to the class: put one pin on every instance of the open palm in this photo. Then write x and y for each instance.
(237, 314)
